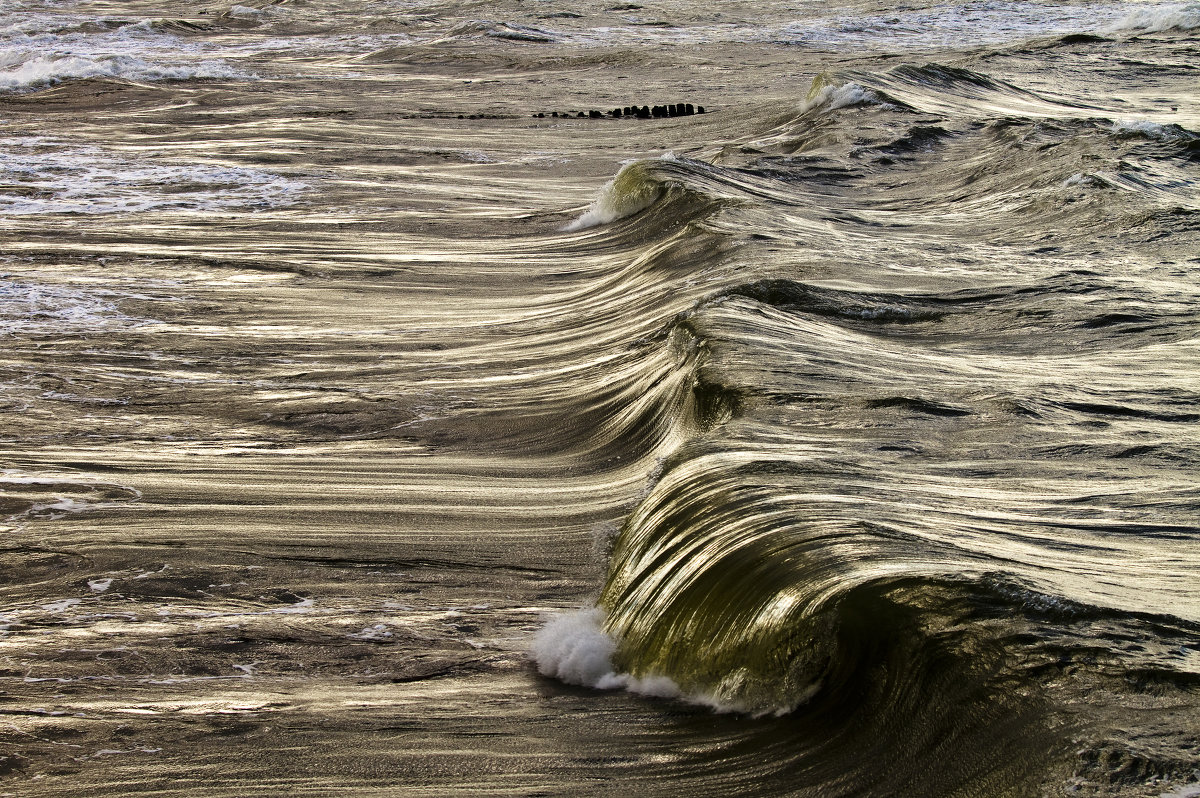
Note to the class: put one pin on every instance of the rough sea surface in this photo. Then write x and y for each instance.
(377, 421)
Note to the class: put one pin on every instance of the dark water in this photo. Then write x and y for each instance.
(375, 424)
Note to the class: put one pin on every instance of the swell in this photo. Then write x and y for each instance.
(958, 143)
(839, 551)
(914, 507)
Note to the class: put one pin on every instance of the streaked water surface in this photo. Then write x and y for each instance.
(379, 420)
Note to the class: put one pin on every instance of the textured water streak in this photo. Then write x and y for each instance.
(319, 403)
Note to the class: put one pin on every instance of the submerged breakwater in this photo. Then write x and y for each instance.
(377, 421)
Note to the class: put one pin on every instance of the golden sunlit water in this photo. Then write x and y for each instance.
(390, 408)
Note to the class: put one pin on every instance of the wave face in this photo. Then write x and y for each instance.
(385, 414)
(923, 462)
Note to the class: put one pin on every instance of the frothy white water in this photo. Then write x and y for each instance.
(575, 649)
(1151, 130)
(33, 308)
(1081, 180)
(29, 70)
(40, 175)
(831, 98)
(1156, 19)
(39, 49)
(1186, 791)
(246, 12)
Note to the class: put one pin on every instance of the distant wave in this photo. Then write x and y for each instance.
(1158, 19)
(24, 71)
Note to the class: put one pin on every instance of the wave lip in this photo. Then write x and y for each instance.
(634, 189)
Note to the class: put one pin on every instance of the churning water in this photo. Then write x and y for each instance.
(390, 409)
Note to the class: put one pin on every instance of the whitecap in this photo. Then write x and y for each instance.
(43, 176)
(828, 97)
(1186, 791)
(245, 12)
(40, 70)
(575, 649)
(1157, 19)
(1151, 130)
(379, 631)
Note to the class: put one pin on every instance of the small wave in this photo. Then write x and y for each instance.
(1152, 130)
(1081, 180)
(245, 12)
(633, 190)
(825, 95)
(33, 71)
(948, 90)
(511, 31)
(521, 33)
(1158, 19)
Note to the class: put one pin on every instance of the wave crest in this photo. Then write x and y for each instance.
(632, 191)
(1159, 19)
(826, 93)
(33, 71)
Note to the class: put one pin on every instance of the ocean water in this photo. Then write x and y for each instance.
(383, 414)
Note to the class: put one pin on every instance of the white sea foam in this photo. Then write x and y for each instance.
(57, 607)
(245, 12)
(72, 493)
(1157, 19)
(379, 631)
(1079, 179)
(42, 49)
(575, 649)
(1186, 791)
(37, 70)
(832, 97)
(44, 176)
(1151, 130)
(28, 307)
